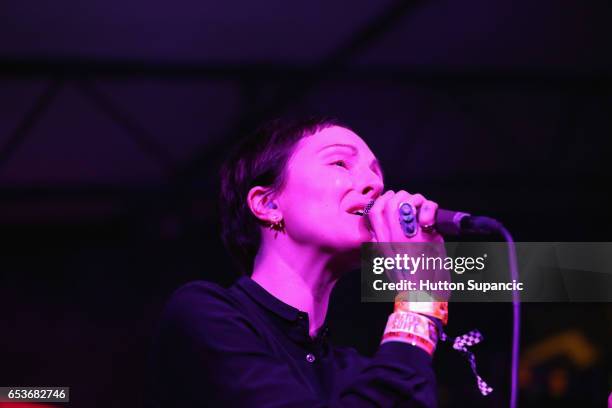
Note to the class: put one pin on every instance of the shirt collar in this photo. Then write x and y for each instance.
(273, 304)
(267, 300)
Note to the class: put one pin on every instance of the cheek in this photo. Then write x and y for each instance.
(327, 188)
(337, 183)
(341, 183)
(314, 201)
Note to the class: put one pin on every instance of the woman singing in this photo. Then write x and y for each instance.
(292, 201)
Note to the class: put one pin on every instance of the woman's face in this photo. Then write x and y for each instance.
(330, 177)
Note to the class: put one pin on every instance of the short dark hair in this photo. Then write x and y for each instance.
(259, 160)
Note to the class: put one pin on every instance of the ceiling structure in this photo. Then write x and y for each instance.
(108, 99)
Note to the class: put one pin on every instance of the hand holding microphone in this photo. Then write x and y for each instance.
(384, 218)
(419, 212)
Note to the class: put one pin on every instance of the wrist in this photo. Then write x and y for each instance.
(411, 328)
(434, 309)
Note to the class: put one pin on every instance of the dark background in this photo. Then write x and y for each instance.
(114, 116)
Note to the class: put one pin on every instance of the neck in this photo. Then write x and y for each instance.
(298, 276)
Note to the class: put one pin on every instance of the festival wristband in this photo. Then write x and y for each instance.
(412, 328)
(438, 310)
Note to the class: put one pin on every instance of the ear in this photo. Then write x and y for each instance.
(262, 204)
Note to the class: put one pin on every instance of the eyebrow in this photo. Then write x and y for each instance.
(348, 146)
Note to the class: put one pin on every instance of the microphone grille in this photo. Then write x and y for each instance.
(368, 207)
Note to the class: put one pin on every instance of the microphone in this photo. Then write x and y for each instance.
(458, 223)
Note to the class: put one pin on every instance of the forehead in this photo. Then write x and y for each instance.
(334, 135)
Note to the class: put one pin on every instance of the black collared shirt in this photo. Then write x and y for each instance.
(243, 347)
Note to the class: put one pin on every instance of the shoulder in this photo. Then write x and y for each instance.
(198, 303)
(198, 292)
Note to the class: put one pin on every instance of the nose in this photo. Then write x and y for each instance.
(372, 185)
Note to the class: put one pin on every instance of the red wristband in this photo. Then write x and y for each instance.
(412, 328)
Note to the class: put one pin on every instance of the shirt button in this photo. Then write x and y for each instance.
(310, 357)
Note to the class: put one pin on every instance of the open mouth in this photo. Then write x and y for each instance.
(362, 210)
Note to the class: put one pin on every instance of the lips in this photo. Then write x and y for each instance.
(357, 209)
(361, 209)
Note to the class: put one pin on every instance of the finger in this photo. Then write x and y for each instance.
(376, 216)
(416, 200)
(392, 213)
(427, 213)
